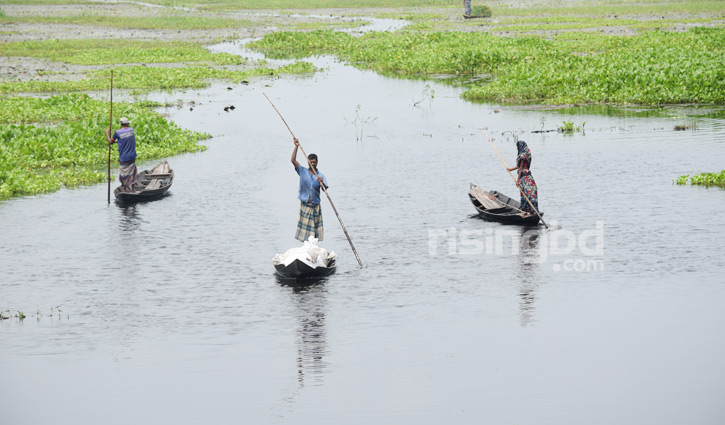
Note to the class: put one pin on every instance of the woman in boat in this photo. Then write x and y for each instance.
(526, 180)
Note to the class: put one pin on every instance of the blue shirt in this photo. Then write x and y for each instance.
(126, 144)
(309, 186)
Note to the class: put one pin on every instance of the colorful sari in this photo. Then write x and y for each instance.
(527, 182)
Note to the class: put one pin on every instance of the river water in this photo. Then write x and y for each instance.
(170, 312)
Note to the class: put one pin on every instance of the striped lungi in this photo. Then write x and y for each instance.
(128, 174)
(309, 222)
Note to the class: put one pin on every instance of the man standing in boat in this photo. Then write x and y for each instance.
(310, 219)
(126, 154)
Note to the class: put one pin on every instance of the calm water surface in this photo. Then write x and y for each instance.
(171, 313)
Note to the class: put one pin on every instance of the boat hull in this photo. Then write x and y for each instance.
(501, 209)
(300, 270)
(152, 184)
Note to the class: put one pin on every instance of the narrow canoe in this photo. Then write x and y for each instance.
(496, 206)
(152, 184)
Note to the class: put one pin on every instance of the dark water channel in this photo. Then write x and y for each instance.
(171, 313)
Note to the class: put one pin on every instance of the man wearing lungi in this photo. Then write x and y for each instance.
(126, 154)
(310, 219)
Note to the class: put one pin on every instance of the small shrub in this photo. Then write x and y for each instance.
(480, 11)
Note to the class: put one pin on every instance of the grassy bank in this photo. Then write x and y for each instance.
(656, 67)
(141, 79)
(116, 51)
(171, 22)
(59, 141)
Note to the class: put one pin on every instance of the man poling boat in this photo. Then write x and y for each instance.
(309, 222)
(126, 140)
(321, 182)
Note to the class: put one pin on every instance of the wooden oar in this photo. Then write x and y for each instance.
(517, 183)
(321, 185)
(110, 124)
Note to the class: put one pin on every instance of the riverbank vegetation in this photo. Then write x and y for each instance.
(59, 141)
(141, 79)
(171, 22)
(656, 67)
(116, 51)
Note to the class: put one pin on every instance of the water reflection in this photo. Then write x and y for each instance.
(130, 218)
(310, 300)
(528, 272)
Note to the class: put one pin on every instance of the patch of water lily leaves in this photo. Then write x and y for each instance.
(656, 67)
(59, 141)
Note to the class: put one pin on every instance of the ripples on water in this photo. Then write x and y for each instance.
(171, 307)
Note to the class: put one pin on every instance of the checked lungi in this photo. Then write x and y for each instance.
(309, 222)
(128, 175)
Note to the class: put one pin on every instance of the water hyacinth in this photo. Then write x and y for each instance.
(704, 179)
(656, 67)
(60, 141)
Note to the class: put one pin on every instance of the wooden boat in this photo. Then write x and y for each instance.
(496, 206)
(298, 269)
(151, 184)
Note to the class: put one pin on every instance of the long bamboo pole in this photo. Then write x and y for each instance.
(110, 124)
(321, 185)
(517, 183)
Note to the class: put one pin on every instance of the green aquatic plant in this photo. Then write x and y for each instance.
(59, 141)
(703, 179)
(359, 122)
(568, 127)
(656, 67)
(20, 315)
(428, 94)
(692, 125)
